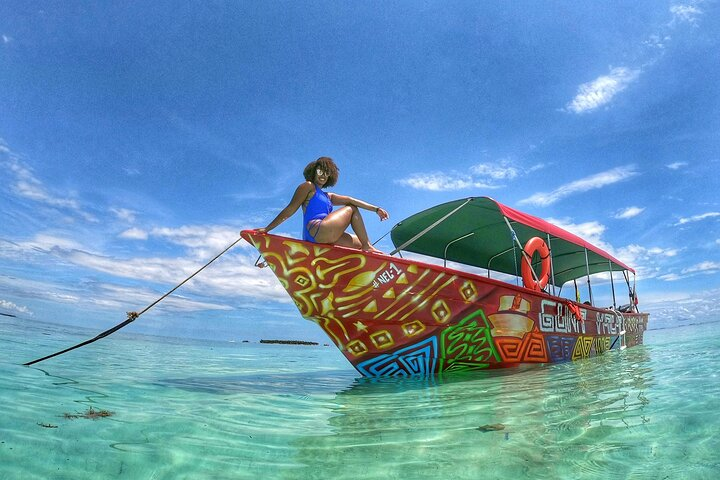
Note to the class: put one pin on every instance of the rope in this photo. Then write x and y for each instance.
(378, 240)
(132, 316)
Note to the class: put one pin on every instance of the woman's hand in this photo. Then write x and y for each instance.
(382, 213)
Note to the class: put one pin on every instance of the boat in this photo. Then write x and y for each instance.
(479, 287)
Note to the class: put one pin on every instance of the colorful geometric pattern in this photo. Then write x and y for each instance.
(468, 344)
(529, 349)
(418, 359)
(560, 348)
(582, 347)
(391, 316)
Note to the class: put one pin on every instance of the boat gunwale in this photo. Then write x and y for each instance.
(443, 269)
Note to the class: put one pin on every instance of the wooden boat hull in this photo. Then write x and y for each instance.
(395, 317)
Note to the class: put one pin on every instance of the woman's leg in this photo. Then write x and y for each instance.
(332, 229)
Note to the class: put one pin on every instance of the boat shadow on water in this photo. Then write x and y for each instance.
(554, 414)
(341, 381)
(615, 366)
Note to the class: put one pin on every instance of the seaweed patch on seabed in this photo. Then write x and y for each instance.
(495, 427)
(89, 413)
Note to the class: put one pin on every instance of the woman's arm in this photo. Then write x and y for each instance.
(337, 199)
(301, 193)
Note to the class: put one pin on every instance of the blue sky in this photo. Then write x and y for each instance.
(137, 139)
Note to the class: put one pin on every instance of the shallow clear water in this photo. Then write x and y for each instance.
(184, 409)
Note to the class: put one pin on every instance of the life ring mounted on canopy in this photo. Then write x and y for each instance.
(536, 244)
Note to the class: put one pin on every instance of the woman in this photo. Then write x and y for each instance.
(322, 224)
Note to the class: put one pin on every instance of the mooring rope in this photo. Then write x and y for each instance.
(132, 316)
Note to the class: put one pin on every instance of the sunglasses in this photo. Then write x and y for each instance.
(320, 172)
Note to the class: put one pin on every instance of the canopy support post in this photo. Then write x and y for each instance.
(612, 284)
(522, 251)
(450, 243)
(552, 265)
(634, 296)
(501, 254)
(587, 265)
(626, 274)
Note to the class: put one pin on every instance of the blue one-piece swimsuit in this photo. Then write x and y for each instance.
(317, 208)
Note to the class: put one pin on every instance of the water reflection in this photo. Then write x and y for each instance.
(471, 425)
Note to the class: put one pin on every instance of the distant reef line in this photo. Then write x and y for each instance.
(289, 342)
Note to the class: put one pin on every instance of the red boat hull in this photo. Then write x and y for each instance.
(395, 317)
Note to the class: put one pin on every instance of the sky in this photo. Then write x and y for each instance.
(138, 138)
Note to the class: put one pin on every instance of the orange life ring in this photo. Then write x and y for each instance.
(536, 244)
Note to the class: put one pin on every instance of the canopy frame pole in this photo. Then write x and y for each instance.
(612, 284)
(552, 264)
(450, 243)
(430, 227)
(522, 251)
(499, 255)
(587, 265)
(636, 309)
(626, 274)
(515, 257)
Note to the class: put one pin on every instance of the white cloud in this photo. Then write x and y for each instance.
(104, 295)
(601, 91)
(134, 234)
(203, 241)
(645, 261)
(47, 242)
(497, 171)
(437, 182)
(592, 182)
(119, 297)
(7, 305)
(232, 276)
(648, 262)
(26, 185)
(676, 307)
(629, 212)
(638, 255)
(703, 267)
(590, 231)
(124, 214)
(657, 41)
(235, 276)
(697, 218)
(479, 176)
(685, 13)
(677, 165)
(536, 167)
(6, 39)
(663, 252)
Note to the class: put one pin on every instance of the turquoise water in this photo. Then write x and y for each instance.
(184, 409)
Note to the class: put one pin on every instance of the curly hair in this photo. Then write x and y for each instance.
(328, 165)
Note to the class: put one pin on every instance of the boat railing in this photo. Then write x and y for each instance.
(452, 242)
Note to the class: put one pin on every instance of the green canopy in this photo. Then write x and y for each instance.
(473, 231)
